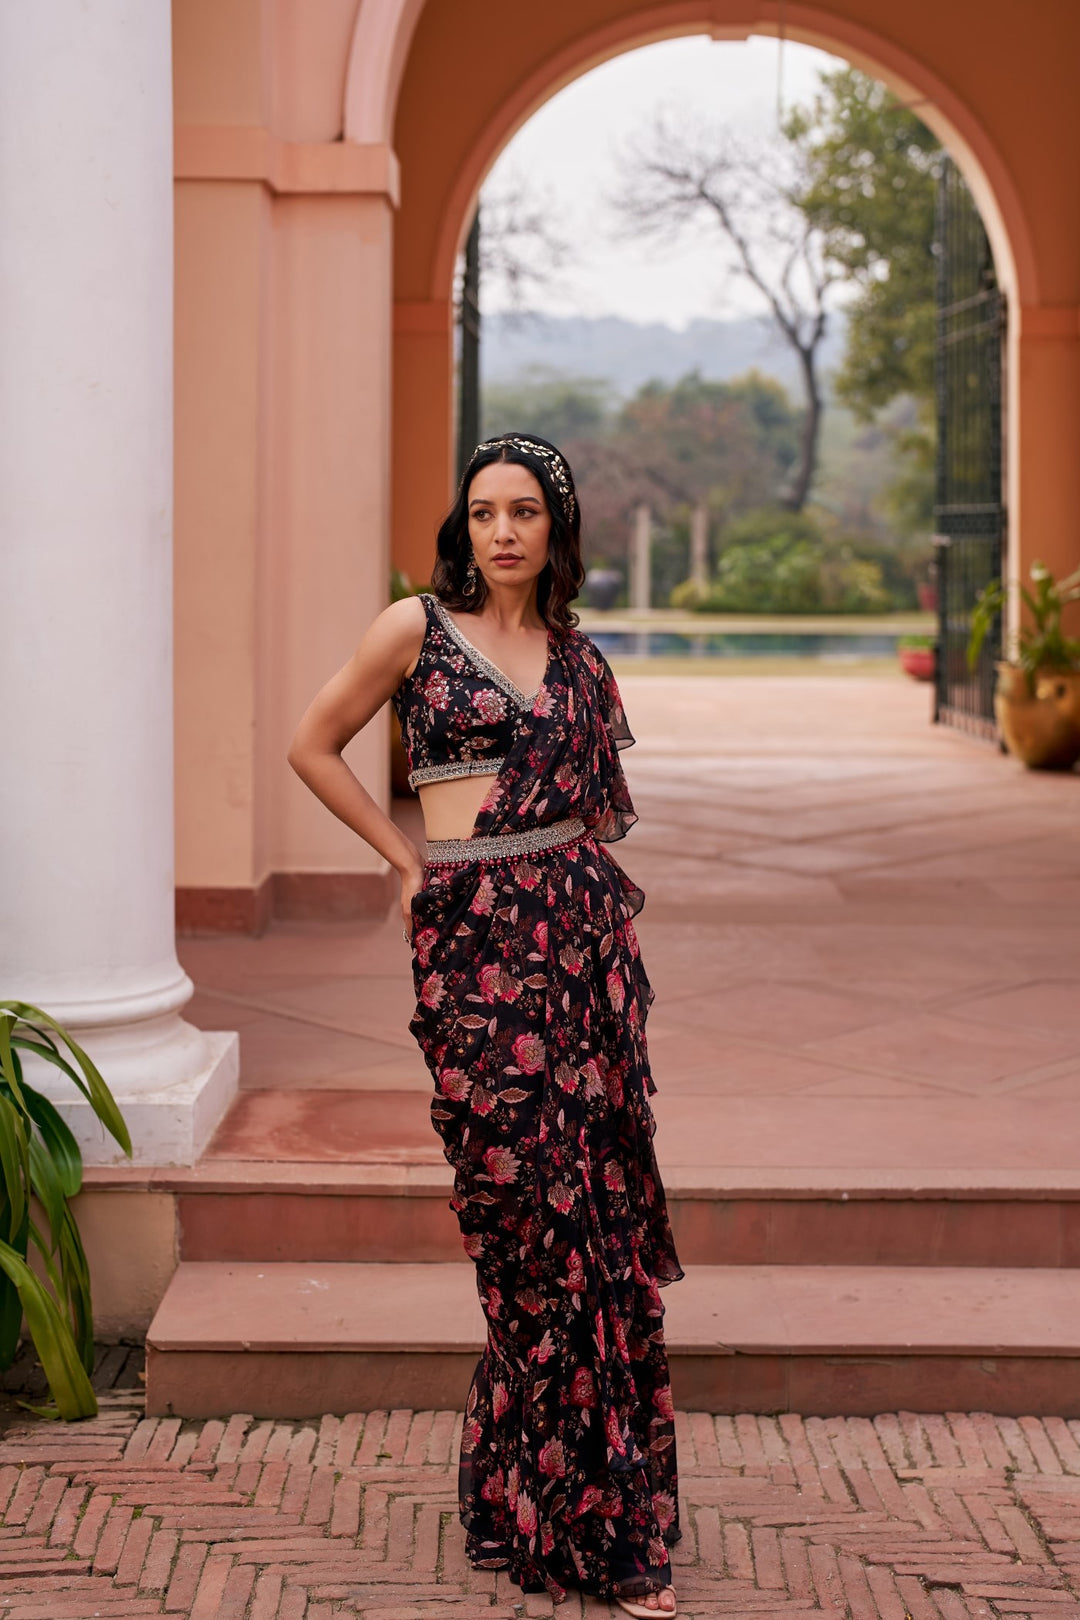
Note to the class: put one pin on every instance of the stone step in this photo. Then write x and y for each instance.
(341, 1175)
(241, 1210)
(391, 1212)
(284, 1339)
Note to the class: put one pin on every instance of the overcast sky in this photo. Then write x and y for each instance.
(568, 150)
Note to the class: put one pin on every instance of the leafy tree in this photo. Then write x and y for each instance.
(674, 177)
(870, 169)
(729, 444)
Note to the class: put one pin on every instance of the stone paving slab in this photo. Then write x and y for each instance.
(905, 1516)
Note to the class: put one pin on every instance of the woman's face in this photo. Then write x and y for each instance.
(509, 523)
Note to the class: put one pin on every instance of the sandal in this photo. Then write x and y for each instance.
(640, 1612)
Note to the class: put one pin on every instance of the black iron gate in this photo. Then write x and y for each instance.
(468, 433)
(969, 509)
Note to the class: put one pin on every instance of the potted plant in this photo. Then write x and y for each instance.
(918, 656)
(1037, 698)
(40, 1161)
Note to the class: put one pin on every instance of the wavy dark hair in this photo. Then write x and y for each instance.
(561, 577)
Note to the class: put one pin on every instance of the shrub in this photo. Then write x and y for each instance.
(775, 561)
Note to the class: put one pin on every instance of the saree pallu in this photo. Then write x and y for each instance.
(531, 1008)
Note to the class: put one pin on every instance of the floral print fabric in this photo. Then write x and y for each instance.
(448, 709)
(531, 1008)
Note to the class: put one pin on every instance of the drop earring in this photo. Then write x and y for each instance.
(470, 574)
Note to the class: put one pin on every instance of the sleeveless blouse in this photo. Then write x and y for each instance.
(459, 714)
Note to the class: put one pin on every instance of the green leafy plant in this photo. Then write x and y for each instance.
(915, 643)
(775, 561)
(40, 1164)
(1041, 644)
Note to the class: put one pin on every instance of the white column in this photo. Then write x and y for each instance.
(699, 545)
(86, 791)
(640, 558)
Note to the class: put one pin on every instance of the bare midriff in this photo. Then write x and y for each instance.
(450, 807)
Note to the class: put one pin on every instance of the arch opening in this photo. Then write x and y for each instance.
(912, 81)
(1001, 113)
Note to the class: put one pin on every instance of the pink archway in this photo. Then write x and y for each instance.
(384, 31)
(381, 38)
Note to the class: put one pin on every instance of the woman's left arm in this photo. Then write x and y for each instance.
(344, 706)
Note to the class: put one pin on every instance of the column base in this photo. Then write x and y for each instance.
(171, 1124)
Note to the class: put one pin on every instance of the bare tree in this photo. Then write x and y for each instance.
(520, 246)
(673, 180)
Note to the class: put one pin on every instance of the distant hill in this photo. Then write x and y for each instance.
(626, 354)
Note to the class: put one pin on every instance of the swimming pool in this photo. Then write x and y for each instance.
(831, 648)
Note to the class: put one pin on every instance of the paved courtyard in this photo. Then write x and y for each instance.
(861, 930)
(905, 1517)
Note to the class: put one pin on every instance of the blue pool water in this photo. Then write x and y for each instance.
(755, 643)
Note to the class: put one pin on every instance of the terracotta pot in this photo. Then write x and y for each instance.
(1062, 689)
(1037, 728)
(918, 662)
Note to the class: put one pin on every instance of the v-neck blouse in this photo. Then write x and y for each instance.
(459, 713)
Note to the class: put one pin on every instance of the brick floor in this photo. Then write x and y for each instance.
(906, 1516)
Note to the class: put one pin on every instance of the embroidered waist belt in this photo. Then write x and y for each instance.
(454, 768)
(497, 846)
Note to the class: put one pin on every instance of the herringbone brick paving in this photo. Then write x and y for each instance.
(906, 1516)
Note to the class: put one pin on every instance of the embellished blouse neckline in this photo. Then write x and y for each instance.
(483, 664)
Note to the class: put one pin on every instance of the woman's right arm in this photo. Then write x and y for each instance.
(344, 706)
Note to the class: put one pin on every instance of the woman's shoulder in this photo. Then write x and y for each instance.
(398, 632)
(405, 616)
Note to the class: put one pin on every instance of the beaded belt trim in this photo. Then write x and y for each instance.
(497, 846)
(457, 767)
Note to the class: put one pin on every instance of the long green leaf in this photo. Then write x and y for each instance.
(47, 1260)
(61, 1144)
(45, 1185)
(92, 1085)
(76, 1273)
(1037, 609)
(9, 1067)
(11, 1315)
(14, 1163)
(11, 1311)
(46, 1048)
(53, 1341)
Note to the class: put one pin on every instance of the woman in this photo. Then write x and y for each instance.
(531, 1004)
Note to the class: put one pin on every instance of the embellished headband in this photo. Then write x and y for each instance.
(556, 466)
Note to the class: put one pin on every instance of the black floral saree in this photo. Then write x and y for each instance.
(531, 1008)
